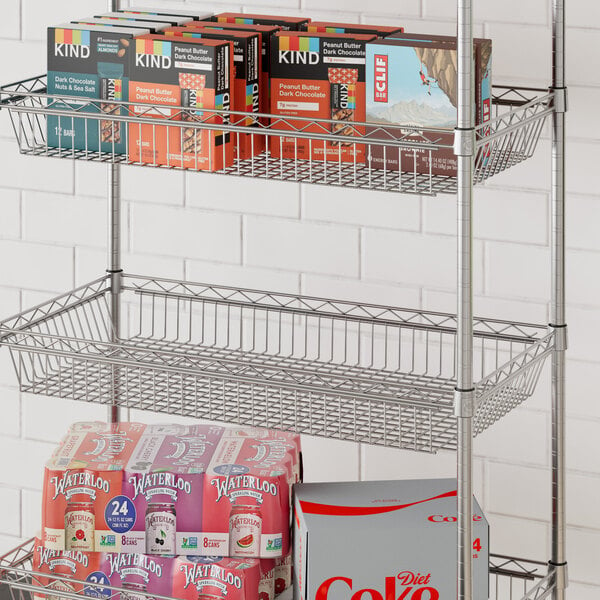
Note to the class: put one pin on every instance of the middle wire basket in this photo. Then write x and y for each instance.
(357, 372)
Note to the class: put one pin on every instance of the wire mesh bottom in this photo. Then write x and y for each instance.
(358, 372)
(510, 579)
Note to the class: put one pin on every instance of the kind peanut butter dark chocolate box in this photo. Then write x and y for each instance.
(172, 20)
(286, 23)
(90, 61)
(246, 57)
(329, 27)
(412, 80)
(142, 26)
(266, 32)
(319, 76)
(196, 15)
(195, 74)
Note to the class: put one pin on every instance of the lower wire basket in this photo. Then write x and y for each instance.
(358, 372)
(510, 579)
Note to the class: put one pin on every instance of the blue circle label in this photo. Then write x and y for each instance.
(232, 470)
(97, 592)
(120, 514)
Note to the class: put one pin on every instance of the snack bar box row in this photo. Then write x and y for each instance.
(171, 490)
(140, 576)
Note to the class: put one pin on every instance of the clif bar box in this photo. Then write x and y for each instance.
(286, 23)
(196, 74)
(90, 61)
(246, 97)
(172, 20)
(412, 81)
(407, 531)
(196, 15)
(328, 27)
(319, 76)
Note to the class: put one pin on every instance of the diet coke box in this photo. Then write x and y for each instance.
(383, 539)
(82, 482)
(67, 564)
(163, 487)
(212, 577)
(246, 500)
(138, 575)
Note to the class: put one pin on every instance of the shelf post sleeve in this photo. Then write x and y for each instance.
(464, 148)
(558, 560)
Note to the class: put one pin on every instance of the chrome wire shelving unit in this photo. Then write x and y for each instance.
(396, 377)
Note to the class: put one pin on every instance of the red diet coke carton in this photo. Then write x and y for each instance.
(246, 500)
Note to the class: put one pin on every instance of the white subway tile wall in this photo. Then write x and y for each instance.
(366, 246)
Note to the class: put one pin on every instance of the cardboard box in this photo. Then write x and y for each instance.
(247, 71)
(143, 27)
(210, 577)
(329, 27)
(413, 80)
(196, 15)
(406, 532)
(246, 501)
(266, 32)
(189, 73)
(89, 61)
(286, 23)
(172, 20)
(319, 76)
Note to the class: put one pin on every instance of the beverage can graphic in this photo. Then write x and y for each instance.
(80, 526)
(161, 529)
(245, 530)
(134, 591)
(266, 585)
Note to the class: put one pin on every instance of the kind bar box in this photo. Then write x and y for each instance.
(142, 26)
(66, 565)
(81, 480)
(266, 32)
(319, 76)
(246, 501)
(196, 74)
(413, 81)
(208, 577)
(171, 20)
(90, 61)
(407, 530)
(136, 574)
(328, 27)
(286, 23)
(246, 81)
(196, 15)
(163, 481)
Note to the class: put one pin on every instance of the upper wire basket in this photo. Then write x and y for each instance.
(367, 156)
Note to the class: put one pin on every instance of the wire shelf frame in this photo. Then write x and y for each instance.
(510, 579)
(360, 372)
(383, 158)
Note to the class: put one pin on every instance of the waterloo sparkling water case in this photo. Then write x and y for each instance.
(384, 540)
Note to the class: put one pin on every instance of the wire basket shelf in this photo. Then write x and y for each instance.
(376, 157)
(359, 372)
(510, 579)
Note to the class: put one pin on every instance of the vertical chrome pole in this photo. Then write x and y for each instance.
(558, 316)
(114, 259)
(464, 148)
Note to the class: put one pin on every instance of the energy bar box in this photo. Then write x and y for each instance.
(163, 483)
(196, 74)
(143, 27)
(171, 20)
(246, 81)
(196, 15)
(216, 577)
(83, 485)
(66, 565)
(413, 81)
(286, 23)
(266, 32)
(406, 531)
(328, 27)
(319, 76)
(92, 62)
(246, 501)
